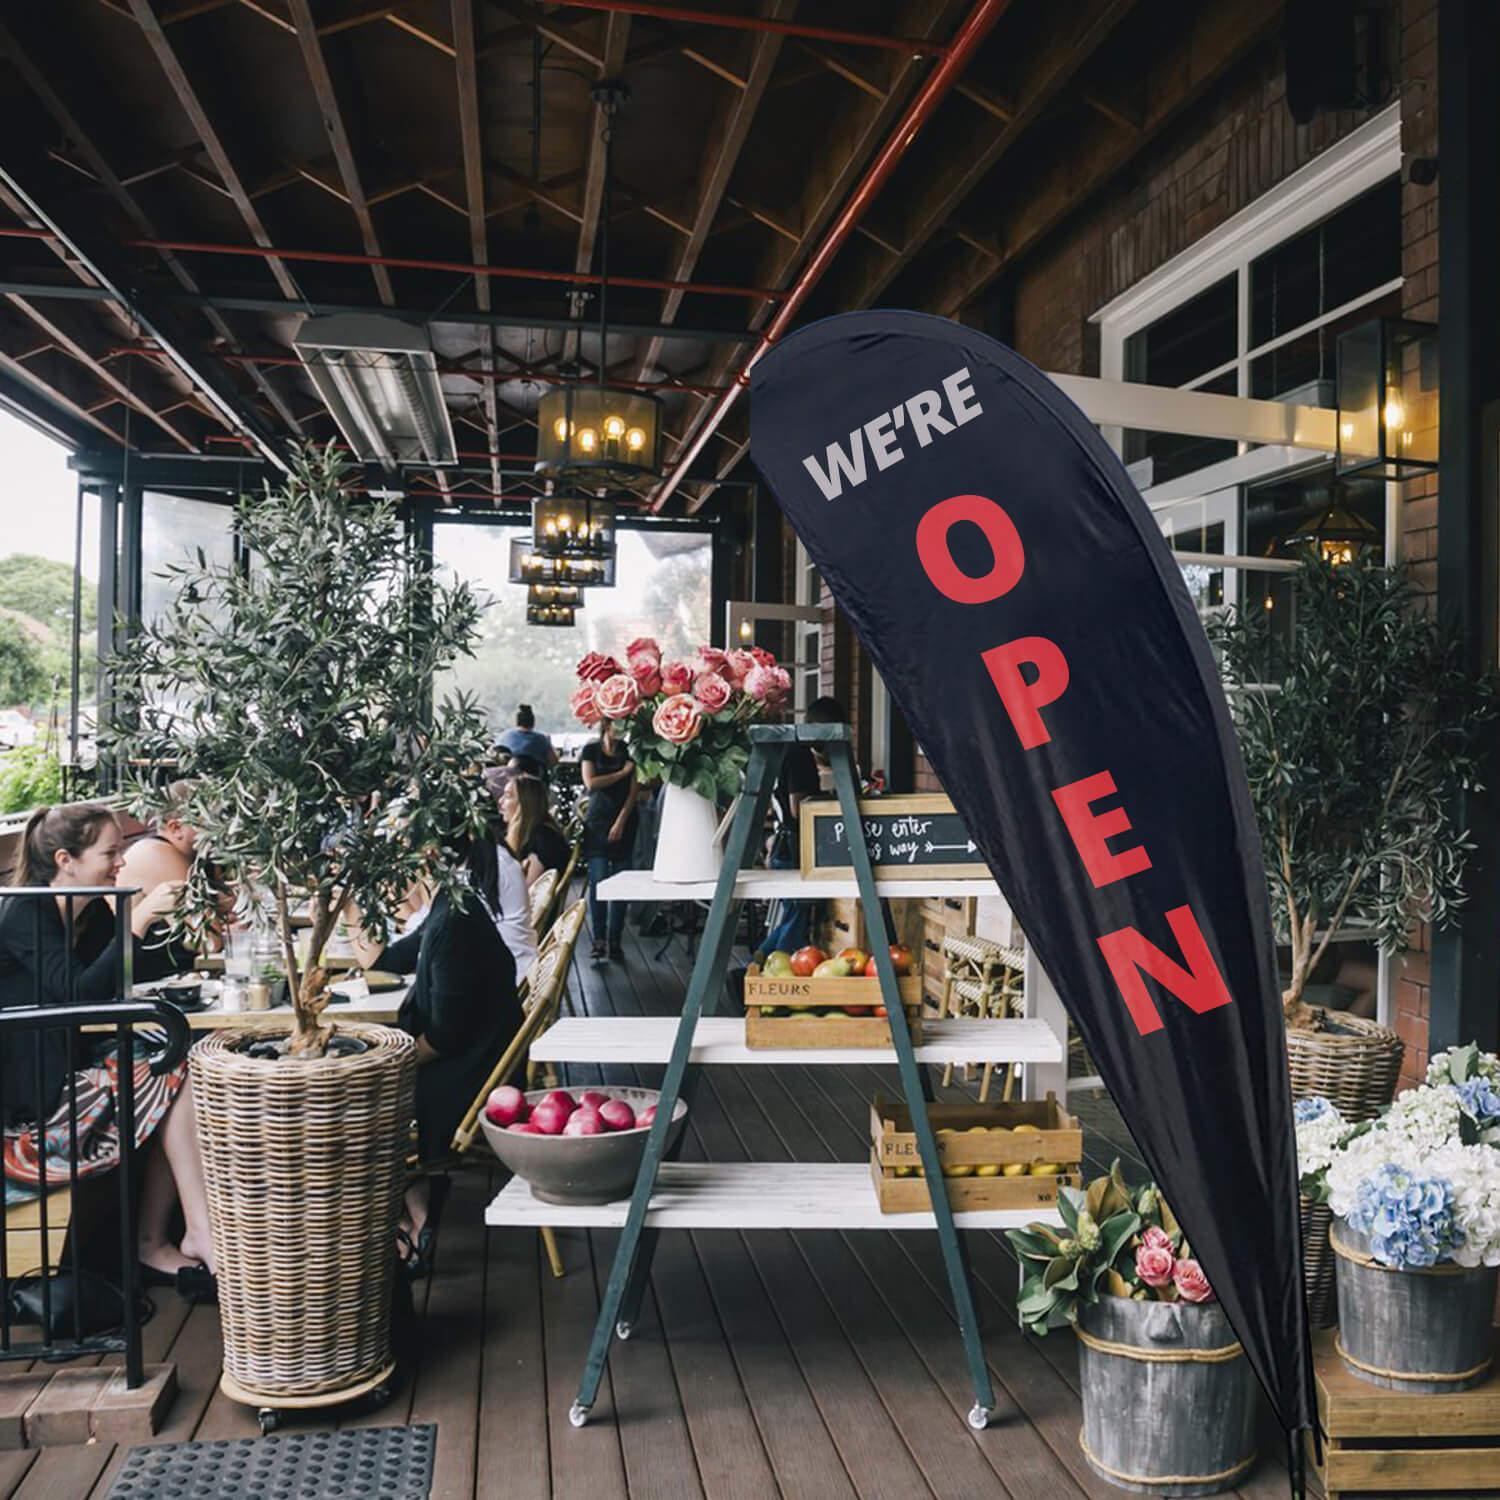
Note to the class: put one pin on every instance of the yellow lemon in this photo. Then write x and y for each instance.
(978, 1129)
(947, 1130)
(989, 1169)
(999, 1129)
(958, 1169)
(1037, 1129)
(1014, 1169)
(1044, 1169)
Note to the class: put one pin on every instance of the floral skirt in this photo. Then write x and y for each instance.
(98, 1124)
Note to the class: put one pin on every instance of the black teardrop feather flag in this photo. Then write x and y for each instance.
(1028, 617)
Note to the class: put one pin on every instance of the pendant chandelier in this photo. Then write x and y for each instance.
(600, 435)
(549, 614)
(1336, 533)
(530, 565)
(573, 526)
(562, 595)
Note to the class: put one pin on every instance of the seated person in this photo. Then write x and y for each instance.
(166, 850)
(530, 832)
(530, 751)
(463, 1011)
(71, 846)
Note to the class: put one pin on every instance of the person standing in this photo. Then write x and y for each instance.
(527, 745)
(609, 778)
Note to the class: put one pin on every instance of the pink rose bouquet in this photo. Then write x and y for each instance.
(685, 721)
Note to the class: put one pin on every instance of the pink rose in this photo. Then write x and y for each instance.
(1156, 1239)
(707, 659)
(1192, 1285)
(1153, 1265)
(763, 658)
(782, 683)
(760, 684)
(678, 720)
(618, 696)
(737, 666)
(585, 705)
(647, 675)
(712, 692)
(676, 677)
(595, 668)
(643, 645)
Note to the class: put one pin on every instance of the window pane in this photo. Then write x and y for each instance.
(172, 531)
(1292, 368)
(1191, 339)
(1328, 265)
(662, 590)
(1173, 455)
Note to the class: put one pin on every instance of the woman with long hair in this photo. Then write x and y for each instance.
(69, 847)
(531, 834)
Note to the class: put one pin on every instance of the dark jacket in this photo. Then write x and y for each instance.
(34, 945)
(463, 1000)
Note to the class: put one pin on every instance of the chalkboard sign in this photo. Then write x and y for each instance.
(917, 835)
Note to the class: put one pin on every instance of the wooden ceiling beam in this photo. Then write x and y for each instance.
(73, 128)
(713, 66)
(1209, 44)
(425, 37)
(540, 191)
(70, 345)
(837, 66)
(969, 162)
(333, 122)
(466, 58)
(192, 106)
(537, 20)
(11, 365)
(724, 141)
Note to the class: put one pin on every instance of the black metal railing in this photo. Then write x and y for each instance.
(40, 1021)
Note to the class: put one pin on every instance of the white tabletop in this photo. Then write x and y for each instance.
(770, 885)
(379, 1008)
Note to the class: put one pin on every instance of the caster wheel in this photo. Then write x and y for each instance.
(623, 1330)
(269, 1419)
(979, 1418)
(379, 1396)
(578, 1415)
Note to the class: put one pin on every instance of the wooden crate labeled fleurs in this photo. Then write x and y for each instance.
(1013, 1155)
(790, 1011)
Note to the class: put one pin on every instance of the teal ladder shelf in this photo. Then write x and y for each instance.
(670, 1194)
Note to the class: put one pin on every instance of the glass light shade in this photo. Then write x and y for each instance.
(549, 614)
(527, 565)
(569, 595)
(1337, 534)
(573, 526)
(598, 435)
(1388, 400)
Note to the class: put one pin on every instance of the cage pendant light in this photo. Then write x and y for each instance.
(600, 435)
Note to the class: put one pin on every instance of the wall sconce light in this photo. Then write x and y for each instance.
(1387, 400)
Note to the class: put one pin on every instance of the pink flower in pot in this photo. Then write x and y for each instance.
(1154, 1238)
(643, 646)
(1154, 1265)
(712, 692)
(707, 659)
(677, 677)
(595, 668)
(585, 705)
(737, 666)
(767, 684)
(647, 673)
(679, 720)
(1192, 1285)
(618, 697)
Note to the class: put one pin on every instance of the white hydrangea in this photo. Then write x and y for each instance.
(1474, 1173)
(1363, 1156)
(1318, 1141)
(1423, 1118)
(1484, 1065)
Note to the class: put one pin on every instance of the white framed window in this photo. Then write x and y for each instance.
(807, 635)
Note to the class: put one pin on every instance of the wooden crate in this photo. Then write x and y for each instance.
(1391, 1441)
(1058, 1138)
(810, 995)
(909, 1195)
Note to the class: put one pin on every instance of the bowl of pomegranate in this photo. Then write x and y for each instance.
(580, 1146)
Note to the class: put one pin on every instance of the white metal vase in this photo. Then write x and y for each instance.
(687, 842)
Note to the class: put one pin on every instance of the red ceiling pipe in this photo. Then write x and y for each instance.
(759, 23)
(970, 35)
(418, 263)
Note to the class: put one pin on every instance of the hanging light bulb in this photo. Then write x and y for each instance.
(587, 439)
(635, 439)
(560, 429)
(614, 427)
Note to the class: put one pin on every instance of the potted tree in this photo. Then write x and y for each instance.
(293, 693)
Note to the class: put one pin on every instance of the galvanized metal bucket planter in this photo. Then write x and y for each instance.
(1168, 1397)
(1424, 1331)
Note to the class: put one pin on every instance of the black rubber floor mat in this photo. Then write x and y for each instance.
(366, 1463)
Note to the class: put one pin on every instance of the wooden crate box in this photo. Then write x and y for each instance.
(1392, 1441)
(975, 1160)
(802, 998)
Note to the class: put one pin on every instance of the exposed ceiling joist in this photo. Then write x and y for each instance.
(338, 137)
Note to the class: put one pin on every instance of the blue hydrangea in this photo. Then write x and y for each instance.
(1305, 1110)
(1478, 1099)
(1409, 1219)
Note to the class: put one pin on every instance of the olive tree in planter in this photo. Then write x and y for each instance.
(293, 694)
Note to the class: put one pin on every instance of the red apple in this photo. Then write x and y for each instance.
(549, 1117)
(871, 972)
(856, 958)
(855, 1010)
(563, 1099)
(617, 1115)
(506, 1106)
(805, 960)
(901, 957)
(523, 1129)
(584, 1122)
(592, 1099)
(645, 1117)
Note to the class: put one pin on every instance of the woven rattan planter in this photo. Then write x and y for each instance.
(1354, 1063)
(305, 1164)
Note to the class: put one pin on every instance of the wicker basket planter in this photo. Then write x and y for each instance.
(305, 1164)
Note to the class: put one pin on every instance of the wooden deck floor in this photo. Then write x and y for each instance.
(765, 1363)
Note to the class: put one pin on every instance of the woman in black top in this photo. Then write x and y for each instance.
(73, 846)
(608, 831)
(462, 1009)
(530, 833)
